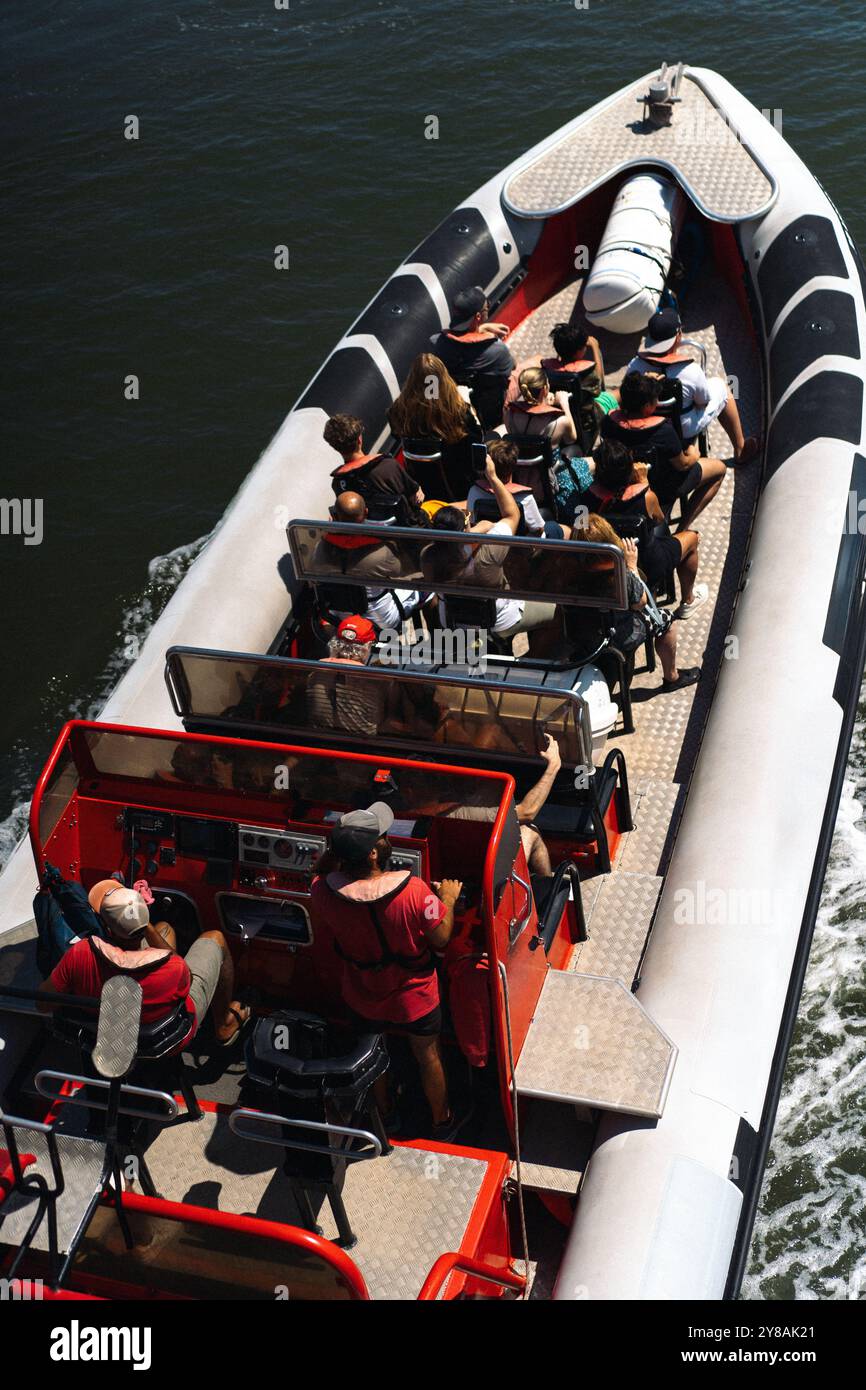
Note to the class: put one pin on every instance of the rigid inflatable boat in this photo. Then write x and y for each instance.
(677, 943)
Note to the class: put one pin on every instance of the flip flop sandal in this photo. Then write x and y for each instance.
(242, 1023)
(689, 676)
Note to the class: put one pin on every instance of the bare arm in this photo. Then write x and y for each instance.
(448, 891)
(592, 344)
(535, 798)
(630, 551)
(508, 507)
(153, 936)
(653, 506)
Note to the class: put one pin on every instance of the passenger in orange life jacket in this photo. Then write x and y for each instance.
(575, 351)
(678, 469)
(361, 472)
(505, 455)
(539, 411)
(135, 946)
(472, 343)
(704, 398)
(386, 926)
(373, 563)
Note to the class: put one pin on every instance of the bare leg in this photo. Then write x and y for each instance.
(712, 476)
(167, 933)
(688, 566)
(428, 1055)
(729, 419)
(225, 1023)
(536, 853)
(666, 646)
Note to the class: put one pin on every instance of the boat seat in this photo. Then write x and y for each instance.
(487, 509)
(552, 894)
(158, 1043)
(289, 1052)
(422, 456)
(486, 395)
(582, 819)
(581, 404)
(534, 466)
(51, 1200)
(314, 1083)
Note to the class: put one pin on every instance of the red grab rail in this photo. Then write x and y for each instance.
(465, 1264)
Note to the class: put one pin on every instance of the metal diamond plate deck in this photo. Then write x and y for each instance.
(655, 811)
(618, 927)
(699, 147)
(591, 1043)
(81, 1160)
(406, 1209)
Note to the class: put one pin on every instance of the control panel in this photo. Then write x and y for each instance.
(407, 859)
(288, 850)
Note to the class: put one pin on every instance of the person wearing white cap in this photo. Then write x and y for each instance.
(135, 946)
(386, 925)
(704, 398)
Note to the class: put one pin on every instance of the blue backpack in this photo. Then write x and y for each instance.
(62, 914)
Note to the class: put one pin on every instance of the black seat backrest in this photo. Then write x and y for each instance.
(487, 394)
(343, 598)
(671, 401)
(587, 630)
(423, 458)
(155, 1040)
(422, 449)
(465, 611)
(581, 401)
(628, 525)
(487, 509)
(388, 507)
(534, 467)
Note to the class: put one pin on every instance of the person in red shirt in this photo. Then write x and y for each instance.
(137, 947)
(386, 926)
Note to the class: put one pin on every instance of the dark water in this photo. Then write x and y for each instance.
(305, 127)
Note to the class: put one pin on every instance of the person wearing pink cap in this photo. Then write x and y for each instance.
(147, 951)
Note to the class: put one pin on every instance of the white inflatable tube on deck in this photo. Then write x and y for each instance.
(631, 266)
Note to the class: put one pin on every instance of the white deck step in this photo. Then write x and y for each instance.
(591, 1042)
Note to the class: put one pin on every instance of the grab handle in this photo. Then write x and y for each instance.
(238, 1124)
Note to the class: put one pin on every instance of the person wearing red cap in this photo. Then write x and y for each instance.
(136, 946)
(358, 707)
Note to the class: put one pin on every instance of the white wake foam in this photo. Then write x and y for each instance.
(810, 1236)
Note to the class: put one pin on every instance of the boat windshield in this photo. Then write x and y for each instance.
(454, 709)
(218, 767)
(581, 574)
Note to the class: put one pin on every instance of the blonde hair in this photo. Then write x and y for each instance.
(429, 403)
(533, 385)
(596, 529)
